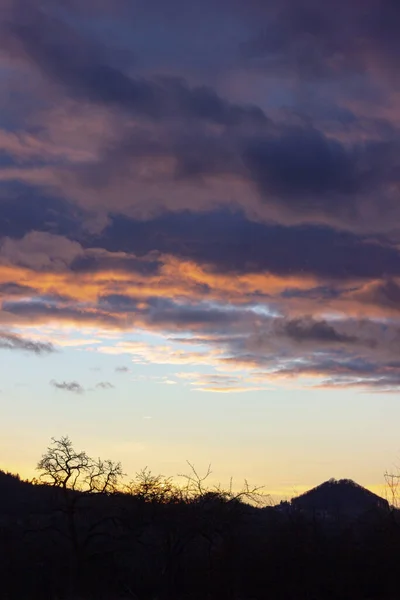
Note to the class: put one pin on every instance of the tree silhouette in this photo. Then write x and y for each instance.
(62, 466)
(78, 477)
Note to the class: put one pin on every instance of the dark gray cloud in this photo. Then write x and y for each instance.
(351, 372)
(316, 41)
(311, 330)
(181, 316)
(170, 315)
(67, 58)
(385, 294)
(31, 311)
(227, 241)
(306, 171)
(68, 386)
(315, 293)
(302, 164)
(12, 341)
(129, 264)
(25, 208)
(230, 242)
(300, 170)
(307, 174)
(11, 288)
(343, 368)
(119, 302)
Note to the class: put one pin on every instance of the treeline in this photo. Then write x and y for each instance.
(78, 532)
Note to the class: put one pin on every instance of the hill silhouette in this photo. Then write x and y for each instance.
(342, 497)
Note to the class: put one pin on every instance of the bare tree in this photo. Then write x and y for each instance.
(62, 466)
(392, 485)
(103, 476)
(197, 488)
(78, 477)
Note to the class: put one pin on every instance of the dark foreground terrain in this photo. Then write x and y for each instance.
(77, 533)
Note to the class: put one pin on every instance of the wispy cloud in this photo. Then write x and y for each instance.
(12, 341)
(104, 385)
(77, 388)
(68, 386)
(220, 383)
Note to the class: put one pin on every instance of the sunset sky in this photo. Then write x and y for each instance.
(200, 236)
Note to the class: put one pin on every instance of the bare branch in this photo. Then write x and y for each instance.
(153, 488)
(62, 466)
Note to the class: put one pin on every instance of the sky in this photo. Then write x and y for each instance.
(199, 236)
